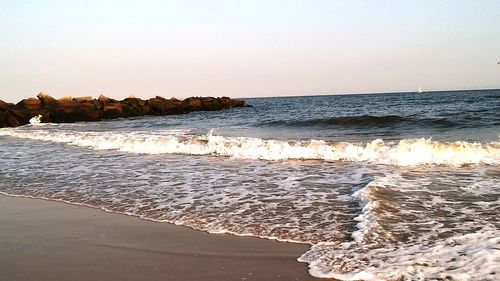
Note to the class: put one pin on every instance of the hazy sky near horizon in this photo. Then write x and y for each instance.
(246, 48)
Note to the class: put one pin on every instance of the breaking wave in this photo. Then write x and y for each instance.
(406, 152)
(428, 253)
(36, 121)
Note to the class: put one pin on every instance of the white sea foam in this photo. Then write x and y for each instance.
(367, 219)
(447, 250)
(473, 256)
(407, 152)
(36, 120)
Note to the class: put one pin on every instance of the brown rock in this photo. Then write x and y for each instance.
(15, 117)
(30, 103)
(162, 106)
(97, 104)
(135, 106)
(46, 99)
(83, 99)
(210, 103)
(5, 105)
(157, 106)
(66, 99)
(225, 101)
(112, 110)
(174, 106)
(2, 119)
(86, 111)
(237, 103)
(193, 103)
(103, 99)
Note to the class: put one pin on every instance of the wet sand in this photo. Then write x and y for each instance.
(44, 240)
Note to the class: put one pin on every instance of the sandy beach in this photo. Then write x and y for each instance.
(44, 240)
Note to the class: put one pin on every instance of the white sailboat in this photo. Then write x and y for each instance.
(419, 91)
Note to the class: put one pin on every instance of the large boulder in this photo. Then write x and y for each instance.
(193, 104)
(46, 99)
(83, 99)
(174, 106)
(135, 107)
(209, 104)
(86, 111)
(5, 105)
(69, 110)
(162, 106)
(112, 110)
(3, 108)
(236, 103)
(62, 110)
(66, 99)
(19, 114)
(15, 117)
(30, 103)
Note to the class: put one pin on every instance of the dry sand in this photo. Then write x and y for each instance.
(44, 240)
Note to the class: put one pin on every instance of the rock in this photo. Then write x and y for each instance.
(66, 99)
(135, 106)
(3, 108)
(68, 110)
(83, 99)
(30, 103)
(102, 99)
(112, 110)
(78, 109)
(175, 106)
(97, 104)
(5, 105)
(15, 117)
(62, 110)
(46, 99)
(210, 103)
(162, 106)
(193, 104)
(86, 111)
(236, 103)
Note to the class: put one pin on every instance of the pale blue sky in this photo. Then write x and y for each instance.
(246, 48)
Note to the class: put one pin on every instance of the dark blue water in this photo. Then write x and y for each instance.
(384, 187)
(469, 115)
(451, 116)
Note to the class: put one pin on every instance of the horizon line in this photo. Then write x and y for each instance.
(294, 95)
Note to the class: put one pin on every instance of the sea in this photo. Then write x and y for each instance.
(400, 186)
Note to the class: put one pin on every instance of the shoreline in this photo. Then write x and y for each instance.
(49, 240)
(61, 201)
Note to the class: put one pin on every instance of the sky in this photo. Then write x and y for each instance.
(245, 48)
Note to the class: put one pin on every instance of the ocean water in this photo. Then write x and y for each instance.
(383, 187)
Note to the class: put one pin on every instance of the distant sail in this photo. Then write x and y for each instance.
(420, 90)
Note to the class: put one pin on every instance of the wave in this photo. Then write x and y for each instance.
(37, 121)
(375, 254)
(364, 121)
(472, 256)
(406, 152)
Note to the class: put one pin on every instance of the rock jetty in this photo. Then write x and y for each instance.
(86, 109)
